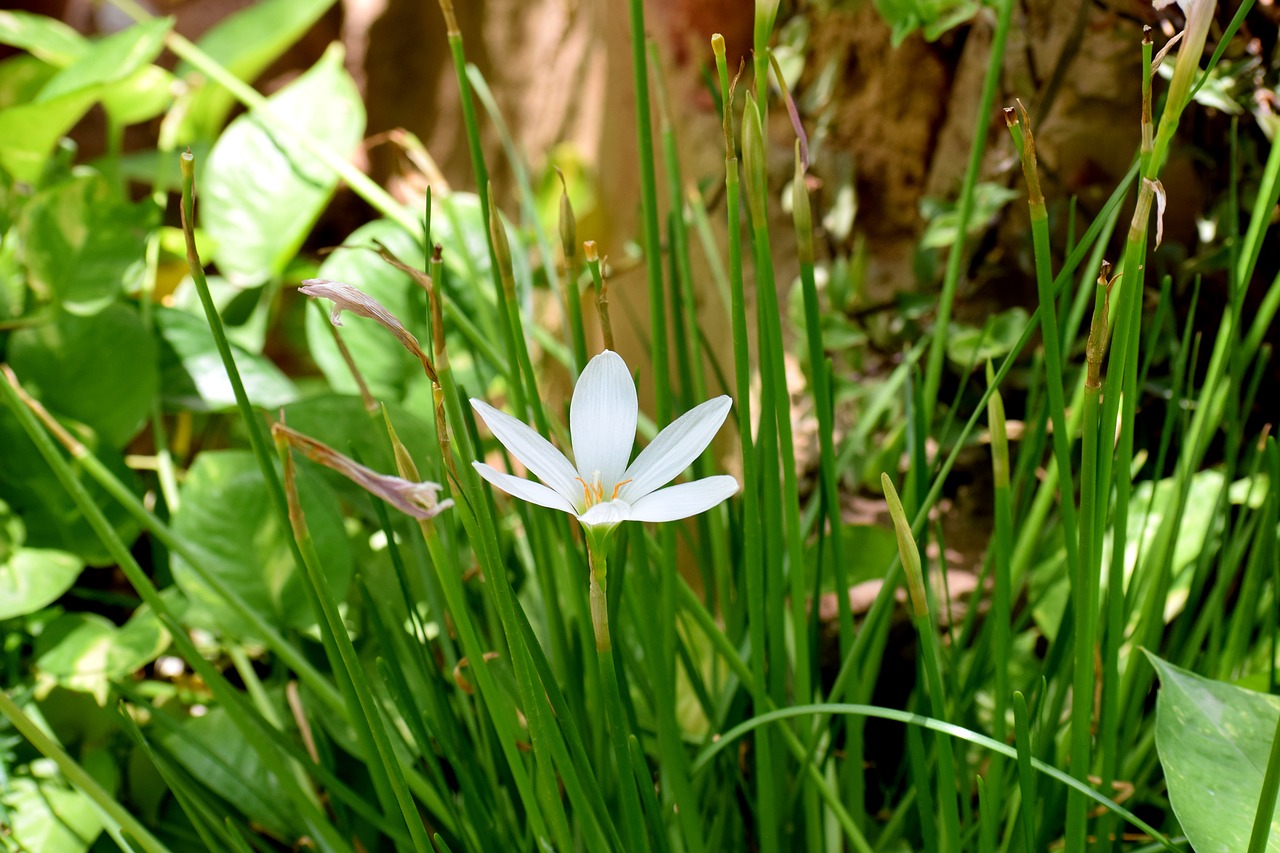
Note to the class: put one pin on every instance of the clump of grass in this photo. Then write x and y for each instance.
(526, 682)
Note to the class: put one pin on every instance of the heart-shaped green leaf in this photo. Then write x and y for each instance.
(261, 190)
(1213, 740)
(228, 518)
(83, 244)
(100, 370)
(193, 377)
(116, 57)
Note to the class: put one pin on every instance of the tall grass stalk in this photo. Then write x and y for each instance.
(955, 259)
(752, 546)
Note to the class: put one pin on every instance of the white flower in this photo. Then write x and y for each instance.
(603, 490)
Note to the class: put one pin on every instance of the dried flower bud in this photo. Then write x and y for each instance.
(1158, 188)
(348, 298)
(419, 500)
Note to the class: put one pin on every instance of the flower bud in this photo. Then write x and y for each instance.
(753, 161)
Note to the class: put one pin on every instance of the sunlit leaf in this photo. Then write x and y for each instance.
(42, 36)
(261, 191)
(193, 377)
(244, 43)
(114, 58)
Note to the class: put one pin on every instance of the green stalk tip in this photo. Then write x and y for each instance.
(568, 222)
(753, 160)
(801, 212)
(907, 548)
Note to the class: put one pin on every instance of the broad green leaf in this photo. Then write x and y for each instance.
(193, 378)
(49, 816)
(1150, 503)
(262, 192)
(216, 754)
(43, 37)
(28, 132)
(386, 365)
(21, 77)
(1213, 740)
(116, 57)
(33, 492)
(944, 217)
(139, 97)
(457, 224)
(874, 547)
(35, 577)
(85, 651)
(82, 243)
(229, 520)
(244, 43)
(100, 370)
(969, 347)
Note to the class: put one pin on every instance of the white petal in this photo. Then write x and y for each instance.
(602, 418)
(525, 490)
(674, 448)
(606, 514)
(685, 499)
(537, 454)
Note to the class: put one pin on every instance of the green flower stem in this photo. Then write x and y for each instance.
(880, 608)
(528, 207)
(684, 303)
(649, 212)
(597, 556)
(519, 394)
(931, 661)
(133, 829)
(752, 560)
(675, 762)
(820, 381)
(1002, 559)
(501, 248)
(1083, 574)
(1122, 375)
(352, 677)
(776, 400)
(951, 279)
(1026, 778)
(1263, 821)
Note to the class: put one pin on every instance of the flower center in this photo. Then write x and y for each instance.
(593, 492)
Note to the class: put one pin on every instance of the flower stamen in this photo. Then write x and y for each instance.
(619, 486)
(593, 492)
